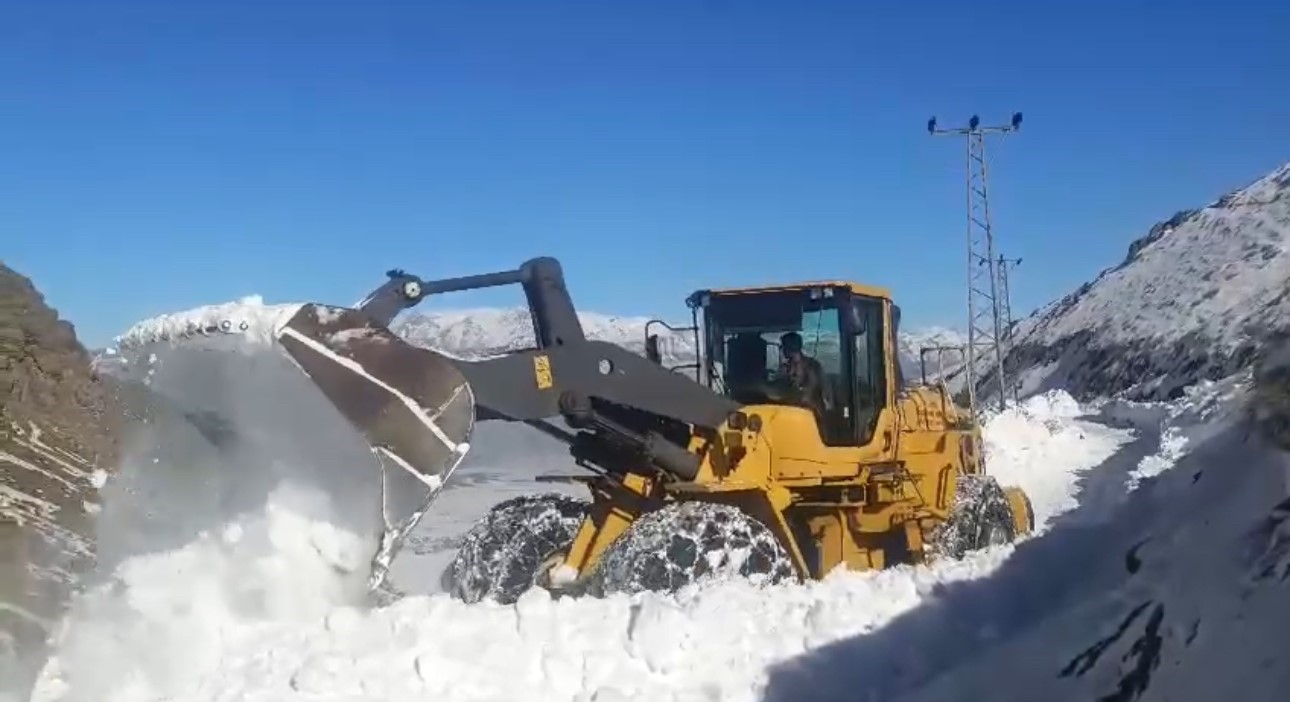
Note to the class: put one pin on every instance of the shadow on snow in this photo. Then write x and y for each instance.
(1074, 577)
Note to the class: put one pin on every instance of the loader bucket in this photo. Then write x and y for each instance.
(230, 401)
(412, 405)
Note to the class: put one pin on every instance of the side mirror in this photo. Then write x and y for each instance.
(651, 349)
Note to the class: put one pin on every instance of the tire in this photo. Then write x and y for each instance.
(500, 556)
(690, 542)
(980, 517)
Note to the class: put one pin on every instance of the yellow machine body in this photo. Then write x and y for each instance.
(862, 505)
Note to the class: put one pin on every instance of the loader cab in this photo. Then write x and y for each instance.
(844, 327)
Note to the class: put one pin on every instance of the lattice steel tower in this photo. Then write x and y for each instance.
(1005, 296)
(1005, 304)
(984, 308)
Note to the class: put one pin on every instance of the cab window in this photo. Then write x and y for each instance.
(749, 334)
(869, 363)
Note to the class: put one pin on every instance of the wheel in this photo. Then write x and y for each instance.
(980, 517)
(688, 542)
(500, 556)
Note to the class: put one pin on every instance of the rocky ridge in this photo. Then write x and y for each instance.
(58, 438)
(1194, 299)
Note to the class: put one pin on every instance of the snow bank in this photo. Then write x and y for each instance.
(1176, 591)
(165, 618)
(248, 317)
(1043, 445)
(698, 645)
(262, 609)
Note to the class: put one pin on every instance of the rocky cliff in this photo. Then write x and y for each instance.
(58, 438)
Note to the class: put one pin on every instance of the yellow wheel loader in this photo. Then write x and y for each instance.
(720, 469)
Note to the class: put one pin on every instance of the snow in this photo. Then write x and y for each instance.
(483, 332)
(169, 615)
(249, 317)
(1158, 573)
(1235, 248)
(1165, 593)
(490, 331)
(470, 333)
(1194, 299)
(913, 341)
(1041, 445)
(267, 608)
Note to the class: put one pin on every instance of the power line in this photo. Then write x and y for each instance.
(984, 308)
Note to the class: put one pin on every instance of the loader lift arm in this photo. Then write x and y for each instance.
(624, 406)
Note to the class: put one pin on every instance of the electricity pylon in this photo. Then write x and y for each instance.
(1005, 304)
(1005, 295)
(985, 316)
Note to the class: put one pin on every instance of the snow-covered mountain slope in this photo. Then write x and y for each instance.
(475, 333)
(1193, 299)
(948, 362)
(1168, 582)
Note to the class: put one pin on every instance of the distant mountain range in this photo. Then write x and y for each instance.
(485, 332)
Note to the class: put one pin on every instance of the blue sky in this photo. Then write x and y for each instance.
(159, 155)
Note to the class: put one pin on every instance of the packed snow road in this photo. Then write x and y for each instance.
(264, 608)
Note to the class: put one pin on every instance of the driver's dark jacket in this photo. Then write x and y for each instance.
(807, 377)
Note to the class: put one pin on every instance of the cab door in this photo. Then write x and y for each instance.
(870, 371)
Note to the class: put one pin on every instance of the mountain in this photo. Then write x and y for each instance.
(947, 362)
(1192, 300)
(58, 437)
(477, 333)
(483, 332)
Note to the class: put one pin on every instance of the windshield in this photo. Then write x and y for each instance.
(821, 349)
(747, 336)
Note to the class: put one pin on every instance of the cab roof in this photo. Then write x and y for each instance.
(856, 288)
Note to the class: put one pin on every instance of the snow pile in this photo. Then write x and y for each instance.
(249, 317)
(700, 644)
(1040, 446)
(1172, 447)
(264, 610)
(1175, 591)
(166, 617)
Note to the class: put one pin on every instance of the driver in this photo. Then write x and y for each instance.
(804, 373)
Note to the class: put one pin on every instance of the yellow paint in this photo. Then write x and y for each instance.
(542, 372)
(856, 507)
(614, 506)
(857, 288)
(1023, 517)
